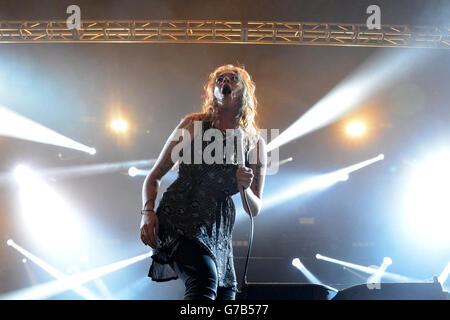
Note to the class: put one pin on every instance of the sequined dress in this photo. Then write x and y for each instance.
(198, 206)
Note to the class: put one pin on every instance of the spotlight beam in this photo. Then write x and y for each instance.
(426, 191)
(133, 172)
(361, 165)
(30, 274)
(299, 265)
(86, 170)
(377, 275)
(355, 273)
(444, 275)
(94, 169)
(368, 270)
(52, 288)
(315, 183)
(46, 214)
(16, 126)
(377, 73)
(83, 292)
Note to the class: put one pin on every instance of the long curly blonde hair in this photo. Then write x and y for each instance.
(247, 112)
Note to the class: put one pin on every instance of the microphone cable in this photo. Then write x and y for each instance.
(245, 202)
(250, 241)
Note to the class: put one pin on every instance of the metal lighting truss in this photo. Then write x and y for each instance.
(225, 31)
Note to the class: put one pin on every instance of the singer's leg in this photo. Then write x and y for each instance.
(197, 270)
(224, 293)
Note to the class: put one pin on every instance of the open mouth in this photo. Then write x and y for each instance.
(226, 89)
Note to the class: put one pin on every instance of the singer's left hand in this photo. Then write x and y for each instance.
(244, 177)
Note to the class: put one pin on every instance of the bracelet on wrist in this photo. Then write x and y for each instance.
(144, 211)
(146, 202)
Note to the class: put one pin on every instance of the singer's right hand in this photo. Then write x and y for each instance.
(149, 229)
(244, 177)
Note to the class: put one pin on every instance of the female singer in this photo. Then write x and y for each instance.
(191, 229)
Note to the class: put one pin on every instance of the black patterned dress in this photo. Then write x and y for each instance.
(198, 206)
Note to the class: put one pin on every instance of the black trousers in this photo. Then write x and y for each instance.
(198, 272)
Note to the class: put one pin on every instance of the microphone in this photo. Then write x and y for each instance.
(241, 163)
(241, 159)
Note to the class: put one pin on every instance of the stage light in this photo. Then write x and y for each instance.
(119, 125)
(48, 217)
(16, 126)
(355, 129)
(21, 172)
(133, 171)
(10, 242)
(371, 77)
(46, 290)
(83, 292)
(86, 170)
(299, 265)
(24, 260)
(387, 261)
(379, 273)
(84, 258)
(426, 207)
(369, 270)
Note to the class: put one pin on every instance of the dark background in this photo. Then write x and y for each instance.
(74, 89)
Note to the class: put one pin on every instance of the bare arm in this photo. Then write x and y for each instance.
(257, 175)
(163, 164)
(149, 222)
